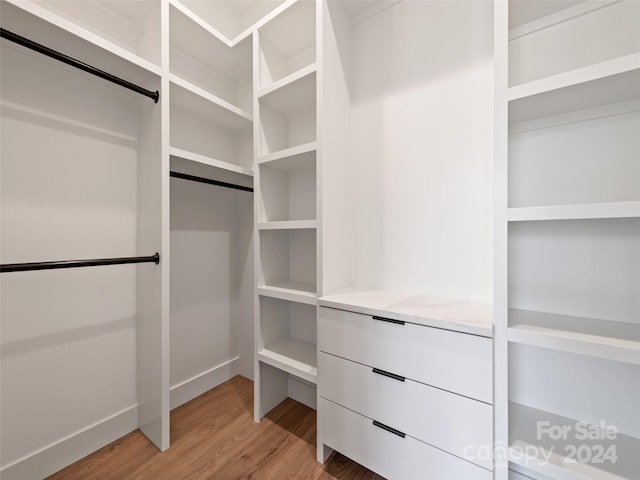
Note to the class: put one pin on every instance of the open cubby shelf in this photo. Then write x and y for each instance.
(287, 43)
(288, 188)
(288, 336)
(208, 62)
(558, 459)
(209, 129)
(288, 259)
(288, 116)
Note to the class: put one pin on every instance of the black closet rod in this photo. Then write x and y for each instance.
(193, 178)
(25, 42)
(25, 267)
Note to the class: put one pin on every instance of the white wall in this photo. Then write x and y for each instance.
(420, 192)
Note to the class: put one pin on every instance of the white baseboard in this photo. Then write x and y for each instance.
(303, 392)
(203, 382)
(68, 450)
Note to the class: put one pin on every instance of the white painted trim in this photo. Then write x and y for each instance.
(69, 449)
(562, 16)
(203, 382)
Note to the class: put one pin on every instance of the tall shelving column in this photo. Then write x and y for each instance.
(567, 296)
(286, 210)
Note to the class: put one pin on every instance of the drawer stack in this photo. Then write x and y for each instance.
(405, 400)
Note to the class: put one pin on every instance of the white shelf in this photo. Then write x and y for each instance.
(212, 162)
(288, 187)
(310, 147)
(609, 82)
(292, 356)
(610, 340)
(288, 80)
(298, 94)
(523, 429)
(291, 291)
(288, 225)
(287, 43)
(199, 54)
(629, 209)
(42, 25)
(206, 105)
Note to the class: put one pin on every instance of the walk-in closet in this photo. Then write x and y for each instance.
(320, 239)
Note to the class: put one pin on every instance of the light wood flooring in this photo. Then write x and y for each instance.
(214, 437)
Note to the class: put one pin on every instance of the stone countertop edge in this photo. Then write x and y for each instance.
(462, 316)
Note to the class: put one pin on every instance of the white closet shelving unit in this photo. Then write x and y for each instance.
(210, 82)
(199, 55)
(97, 135)
(286, 207)
(567, 293)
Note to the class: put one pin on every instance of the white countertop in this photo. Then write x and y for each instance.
(448, 313)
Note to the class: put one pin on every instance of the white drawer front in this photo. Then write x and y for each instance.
(388, 454)
(448, 421)
(454, 361)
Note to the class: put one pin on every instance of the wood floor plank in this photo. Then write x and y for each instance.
(214, 437)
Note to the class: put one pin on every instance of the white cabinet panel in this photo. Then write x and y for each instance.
(452, 361)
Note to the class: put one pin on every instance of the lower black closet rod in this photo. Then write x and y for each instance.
(25, 267)
(193, 178)
(25, 42)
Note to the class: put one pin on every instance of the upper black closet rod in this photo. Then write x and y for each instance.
(25, 42)
(193, 178)
(25, 267)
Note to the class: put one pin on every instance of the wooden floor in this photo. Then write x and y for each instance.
(214, 437)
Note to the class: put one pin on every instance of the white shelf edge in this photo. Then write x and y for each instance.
(197, 158)
(626, 351)
(98, 41)
(288, 80)
(585, 115)
(277, 356)
(556, 18)
(181, 82)
(554, 469)
(288, 225)
(546, 457)
(289, 152)
(629, 209)
(186, 11)
(288, 294)
(575, 77)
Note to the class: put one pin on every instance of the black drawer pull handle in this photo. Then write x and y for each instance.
(389, 374)
(389, 320)
(389, 429)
